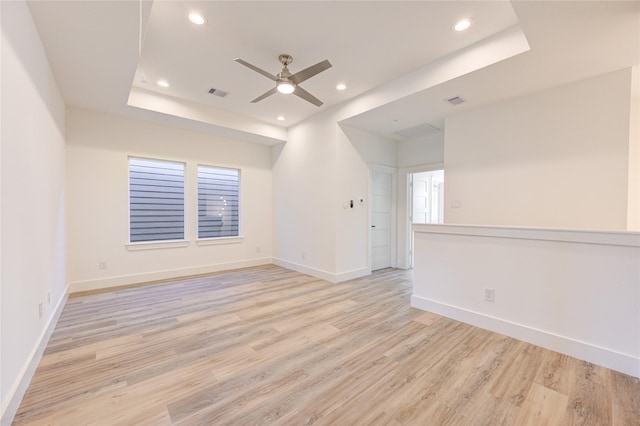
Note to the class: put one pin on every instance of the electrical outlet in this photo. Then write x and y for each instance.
(102, 264)
(257, 249)
(488, 295)
(40, 310)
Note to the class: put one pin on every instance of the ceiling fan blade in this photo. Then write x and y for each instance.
(299, 91)
(264, 95)
(256, 69)
(307, 73)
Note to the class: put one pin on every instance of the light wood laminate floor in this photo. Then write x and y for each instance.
(267, 345)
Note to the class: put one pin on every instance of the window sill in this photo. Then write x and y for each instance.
(221, 240)
(153, 245)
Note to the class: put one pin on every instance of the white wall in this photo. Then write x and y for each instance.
(322, 166)
(372, 148)
(556, 158)
(315, 160)
(304, 182)
(98, 147)
(33, 209)
(357, 152)
(573, 292)
(633, 212)
(421, 150)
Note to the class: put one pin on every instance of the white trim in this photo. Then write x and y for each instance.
(318, 273)
(240, 201)
(605, 357)
(351, 275)
(122, 280)
(219, 240)
(383, 168)
(431, 167)
(184, 192)
(616, 238)
(323, 275)
(155, 245)
(19, 388)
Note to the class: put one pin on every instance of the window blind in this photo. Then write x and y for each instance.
(218, 202)
(156, 200)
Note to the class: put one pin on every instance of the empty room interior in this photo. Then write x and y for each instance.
(314, 212)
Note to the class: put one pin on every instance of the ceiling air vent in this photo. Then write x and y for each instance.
(218, 92)
(419, 130)
(457, 100)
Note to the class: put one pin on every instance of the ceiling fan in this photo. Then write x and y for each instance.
(289, 83)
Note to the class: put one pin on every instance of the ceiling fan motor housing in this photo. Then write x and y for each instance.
(285, 59)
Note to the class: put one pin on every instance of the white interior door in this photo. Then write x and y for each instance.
(381, 197)
(420, 213)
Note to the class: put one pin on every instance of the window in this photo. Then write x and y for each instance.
(218, 202)
(156, 200)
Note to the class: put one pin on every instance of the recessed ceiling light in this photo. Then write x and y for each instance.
(163, 83)
(395, 120)
(341, 87)
(197, 19)
(462, 24)
(280, 118)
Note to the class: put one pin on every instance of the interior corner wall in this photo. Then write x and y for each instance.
(98, 147)
(553, 159)
(304, 185)
(633, 213)
(372, 148)
(357, 150)
(421, 150)
(33, 209)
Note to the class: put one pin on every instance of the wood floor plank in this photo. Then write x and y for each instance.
(517, 377)
(267, 345)
(543, 406)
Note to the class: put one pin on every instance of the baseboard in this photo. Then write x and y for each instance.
(14, 398)
(123, 280)
(323, 275)
(318, 273)
(605, 357)
(352, 275)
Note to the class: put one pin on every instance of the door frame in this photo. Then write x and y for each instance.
(378, 168)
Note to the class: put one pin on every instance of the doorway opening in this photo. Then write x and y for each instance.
(426, 201)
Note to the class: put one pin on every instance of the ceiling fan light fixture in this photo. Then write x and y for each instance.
(285, 87)
(286, 82)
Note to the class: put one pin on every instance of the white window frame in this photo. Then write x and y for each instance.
(155, 244)
(204, 241)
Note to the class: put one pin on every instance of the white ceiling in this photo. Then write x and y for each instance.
(93, 48)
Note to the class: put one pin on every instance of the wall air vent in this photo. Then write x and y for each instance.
(419, 130)
(218, 92)
(456, 100)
